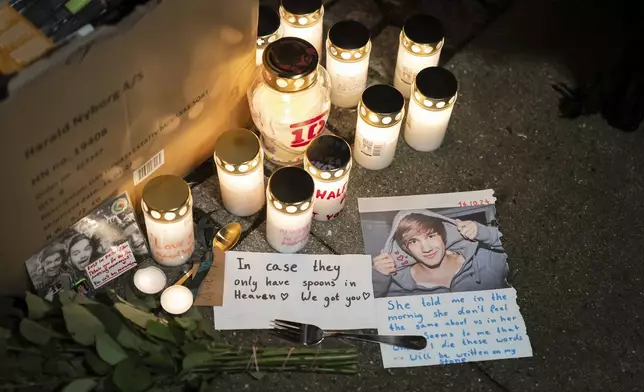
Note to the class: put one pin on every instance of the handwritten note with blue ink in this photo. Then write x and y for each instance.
(459, 327)
(331, 291)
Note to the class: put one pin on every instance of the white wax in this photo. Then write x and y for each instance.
(408, 65)
(176, 299)
(312, 34)
(259, 53)
(149, 280)
(374, 148)
(242, 194)
(329, 198)
(171, 243)
(348, 80)
(425, 129)
(290, 121)
(287, 233)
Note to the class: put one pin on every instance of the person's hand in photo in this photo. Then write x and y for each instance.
(468, 229)
(384, 263)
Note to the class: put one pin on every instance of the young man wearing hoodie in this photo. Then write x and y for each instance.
(427, 253)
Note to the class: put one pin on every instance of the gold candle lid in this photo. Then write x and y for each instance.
(166, 198)
(290, 65)
(348, 41)
(328, 158)
(268, 26)
(422, 35)
(301, 13)
(291, 190)
(238, 151)
(435, 88)
(381, 106)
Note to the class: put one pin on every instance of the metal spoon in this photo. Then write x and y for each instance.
(225, 239)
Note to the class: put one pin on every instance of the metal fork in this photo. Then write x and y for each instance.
(311, 335)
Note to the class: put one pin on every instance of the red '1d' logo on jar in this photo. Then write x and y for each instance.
(304, 132)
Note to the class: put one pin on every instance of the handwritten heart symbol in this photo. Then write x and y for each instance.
(366, 295)
(284, 296)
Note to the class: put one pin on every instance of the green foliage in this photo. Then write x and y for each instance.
(81, 324)
(109, 350)
(78, 344)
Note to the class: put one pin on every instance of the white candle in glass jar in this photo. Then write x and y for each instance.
(149, 280)
(167, 208)
(289, 209)
(268, 30)
(380, 115)
(328, 160)
(347, 61)
(303, 19)
(430, 108)
(289, 99)
(238, 158)
(421, 41)
(177, 299)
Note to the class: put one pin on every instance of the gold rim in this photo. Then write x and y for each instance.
(329, 175)
(420, 49)
(263, 41)
(288, 208)
(436, 105)
(306, 20)
(348, 55)
(380, 120)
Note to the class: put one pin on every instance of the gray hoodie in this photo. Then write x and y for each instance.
(485, 265)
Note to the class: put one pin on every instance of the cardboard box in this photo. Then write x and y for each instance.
(99, 116)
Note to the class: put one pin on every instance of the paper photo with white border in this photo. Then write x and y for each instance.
(439, 270)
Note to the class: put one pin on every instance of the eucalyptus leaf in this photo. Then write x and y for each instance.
(4, 334)
(82, 324)
(97, 365)
(36, 333)
(38, 307)
(131, 376)
(161, 360)
(80, 385)
(135, 315)
(109, 350)
(82, 299)
(257, 375)
(66, 296)
(7, 308)
(193, 347)
(193, 313)
(59, 367)
(118, 330)
(161, 331)
(133, 299)
(196, 359)
(188, 324)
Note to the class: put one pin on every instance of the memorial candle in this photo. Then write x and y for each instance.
(380, 115)
(176, 299)
(303, 19)
(149, 280)
(268, 30)
(348, 47)
(289, 209)
(239, 161)
(167, 208)
(289, 99)
(421, 41)
(328, 160)
(430, 108)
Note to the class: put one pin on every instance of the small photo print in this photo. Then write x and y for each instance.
(433, 250)
(63, 262)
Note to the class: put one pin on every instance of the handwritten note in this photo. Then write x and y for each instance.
(114, 263)
(459, 327)
(211, 289)
(333, 292)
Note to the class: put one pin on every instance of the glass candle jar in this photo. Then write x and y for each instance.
(328, 160)
(303, 19)
(289, 209)
(421, 41)
(167, 208)
(268, 30)
(238, 158)
(348, 47)
(433, 98)
(380, 114)
(290, 99)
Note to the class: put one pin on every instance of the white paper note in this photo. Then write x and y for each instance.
(113, 264)
(459, 327)
(330, 291)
